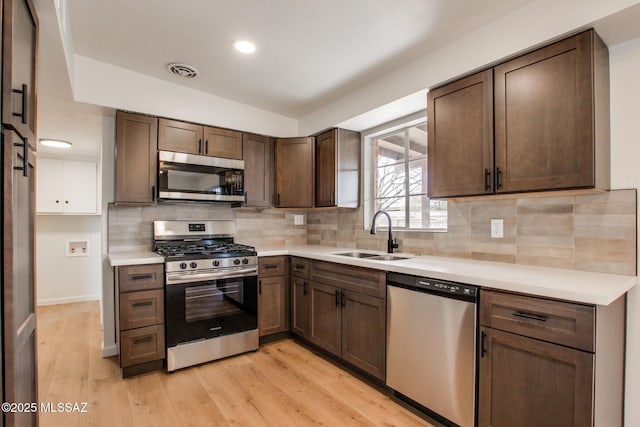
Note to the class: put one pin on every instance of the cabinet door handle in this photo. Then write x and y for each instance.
(332, 198)
(200, 146)
(142, 303)
(142, 340)
(206, 147)
(531, 316)
(337, 298)
(487, 180)
(25, 157)
(141, 276)
(260, 287)
(298, 267)
(270, 266)
(498, 178)
(278, 199)
(153, 193)
(25, 99)
(305, 288)
(483, 349)
(343, 298)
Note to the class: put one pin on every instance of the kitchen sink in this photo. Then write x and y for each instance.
(359, 254)
(373, 256)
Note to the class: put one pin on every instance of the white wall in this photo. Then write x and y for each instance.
(625, 173)
(62, 278)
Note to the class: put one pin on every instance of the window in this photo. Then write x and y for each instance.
(397, 169)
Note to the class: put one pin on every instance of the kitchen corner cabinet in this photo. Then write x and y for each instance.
(337, 168)
(551, 115)
(191, 138)
(136, 158)
(347, 316)
(548, 362)
(273, 295)
(257, 153)
(66, 187)
(299, 273)
(294, 160)
(140, 318)
(19, 47)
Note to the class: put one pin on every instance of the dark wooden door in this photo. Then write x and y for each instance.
(326, 169)
(20, 368)
(300, 306)
(222, 143)
(526, 382)
(326, 313)
(460, 137)
(19, 54)
(257, 153)
(271, 305)
(544, 118)
(294, 172)
(136, 158)
(181, 137)
(364, 333)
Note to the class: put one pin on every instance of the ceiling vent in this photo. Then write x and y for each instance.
(182, 70)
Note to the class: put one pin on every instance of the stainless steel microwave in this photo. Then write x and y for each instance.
(201, 178)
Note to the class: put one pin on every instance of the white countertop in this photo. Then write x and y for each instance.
(572, 285)
(134, 258)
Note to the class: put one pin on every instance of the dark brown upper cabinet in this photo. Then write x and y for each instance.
(136, 158)
(19, 47)
(294, 172)
(258, 174)
(337, 165)
(551, 115)
(191, 138)
(460, 137)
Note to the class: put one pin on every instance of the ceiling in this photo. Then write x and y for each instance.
(310, 53)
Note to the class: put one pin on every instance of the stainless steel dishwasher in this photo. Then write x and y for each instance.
(431, 346)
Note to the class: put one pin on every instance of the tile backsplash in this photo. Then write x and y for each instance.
(592, 232)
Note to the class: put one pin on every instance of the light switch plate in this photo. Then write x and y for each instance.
(497, 228)
(298, 220)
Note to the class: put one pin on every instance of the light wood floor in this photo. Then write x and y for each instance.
(282, 384)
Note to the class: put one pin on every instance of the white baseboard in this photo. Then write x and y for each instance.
(109, 350)
(68, 300)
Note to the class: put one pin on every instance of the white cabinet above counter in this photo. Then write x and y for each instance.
(570, 285)
(66, 187)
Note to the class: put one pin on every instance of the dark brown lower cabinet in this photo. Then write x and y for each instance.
(300, 306)
(527, 382)
(346, 323)
(272, 309)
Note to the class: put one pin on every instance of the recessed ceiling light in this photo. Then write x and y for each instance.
(244, 46)
(56, 143)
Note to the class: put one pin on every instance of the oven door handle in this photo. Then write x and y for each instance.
(201, 277)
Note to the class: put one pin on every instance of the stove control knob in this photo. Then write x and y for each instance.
(216, 263)
(194, 264)
(183, 265)
(245, 261)
(236, 261)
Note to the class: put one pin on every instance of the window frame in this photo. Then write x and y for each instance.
(369, 137)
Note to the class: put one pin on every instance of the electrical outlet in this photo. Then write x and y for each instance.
(298, 220)
(497, 228)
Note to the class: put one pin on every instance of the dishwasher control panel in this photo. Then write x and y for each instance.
(447, 287)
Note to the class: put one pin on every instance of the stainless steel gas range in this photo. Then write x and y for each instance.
(211, 291)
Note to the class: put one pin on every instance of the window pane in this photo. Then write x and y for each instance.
(389, 150)
(438, 216)
(390, 181)
(395, 207)
(418, 176)
(418, 141)
(425, 213)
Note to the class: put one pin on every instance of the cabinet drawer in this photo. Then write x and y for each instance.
(564, 323)
(364, 280)
(141, 345)
(138, 309)
(271, 266)
(300, 267)
(141, 277)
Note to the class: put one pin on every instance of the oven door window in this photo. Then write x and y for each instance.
(210, 301)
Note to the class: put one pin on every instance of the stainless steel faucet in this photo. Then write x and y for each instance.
(391, 243)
